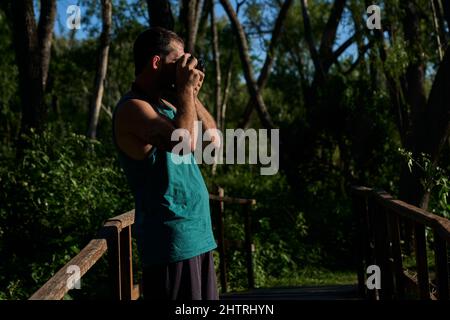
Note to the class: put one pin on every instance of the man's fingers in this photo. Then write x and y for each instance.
(202, 75)
(192, 62)
(184, 59)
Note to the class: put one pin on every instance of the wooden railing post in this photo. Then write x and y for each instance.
(126, 268)
(249, 247)
(113, 239)
(221, 239)
(382, 251)
(421, 261)
(394, 230)
(372, 252)
(359, 203)
(442, 273)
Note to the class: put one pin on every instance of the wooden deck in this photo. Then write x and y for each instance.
(338, 292)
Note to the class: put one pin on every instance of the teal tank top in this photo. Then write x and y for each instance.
(172, 214)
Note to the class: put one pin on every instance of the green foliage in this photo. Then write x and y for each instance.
(53, 202)
(434, 179)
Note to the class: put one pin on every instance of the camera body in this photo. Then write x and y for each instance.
(200, 66)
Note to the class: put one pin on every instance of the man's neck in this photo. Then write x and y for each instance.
(146, 89)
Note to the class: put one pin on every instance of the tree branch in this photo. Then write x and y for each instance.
(310, 39)
(264, 75)
(252, 87)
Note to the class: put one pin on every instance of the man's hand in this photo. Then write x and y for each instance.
(188, 79)
(199, 84)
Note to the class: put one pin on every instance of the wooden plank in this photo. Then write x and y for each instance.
(442, 225)
(126, 264)
(421, 261)
(136, 293)
(359, 211)
(126, 219)
(56, 287)
(112, 234)
(232, 200)
(382, 251)
(220, 208)
(361, 191)
(442, 273)
(249, 246)
(337, 292)
(371, 241)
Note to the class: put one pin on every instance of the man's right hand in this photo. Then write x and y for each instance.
(187, 77)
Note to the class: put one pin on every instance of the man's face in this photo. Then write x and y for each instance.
(168, 66)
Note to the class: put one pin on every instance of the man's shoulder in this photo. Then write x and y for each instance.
(130, 105)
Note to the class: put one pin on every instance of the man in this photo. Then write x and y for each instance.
(172, 222)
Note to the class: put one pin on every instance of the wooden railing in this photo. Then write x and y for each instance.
(381, 242)
(219, 209)
(115, 239)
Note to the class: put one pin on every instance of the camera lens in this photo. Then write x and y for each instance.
(200, 65)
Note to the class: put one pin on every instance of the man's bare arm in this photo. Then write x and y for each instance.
(208, 122)
(204, 116)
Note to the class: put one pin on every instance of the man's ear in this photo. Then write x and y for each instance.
(156, 62)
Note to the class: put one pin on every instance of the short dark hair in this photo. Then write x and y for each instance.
(153, 41)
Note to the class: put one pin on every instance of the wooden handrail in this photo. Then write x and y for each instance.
(231, 200)
(126, 219)
(417, 214)
(57, 286)
(379, 217)
(115, 238)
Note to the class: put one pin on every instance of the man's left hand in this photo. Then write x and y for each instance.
(199, 85)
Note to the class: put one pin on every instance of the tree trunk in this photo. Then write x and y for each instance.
(217, 72)
(411, 189)
(160, 14)
(415, 73)
(265, 71)
(438, 21)
(398, 108)
(310, 39)
(329, 34)
(430, 131)
(102, 65)
(45, 36)
(190, 16)
(252, 86)
(27, 52)
(226, 92)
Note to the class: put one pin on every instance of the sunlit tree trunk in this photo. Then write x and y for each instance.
(217, 72)
(102, 66)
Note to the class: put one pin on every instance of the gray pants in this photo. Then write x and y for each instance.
(191, 279)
